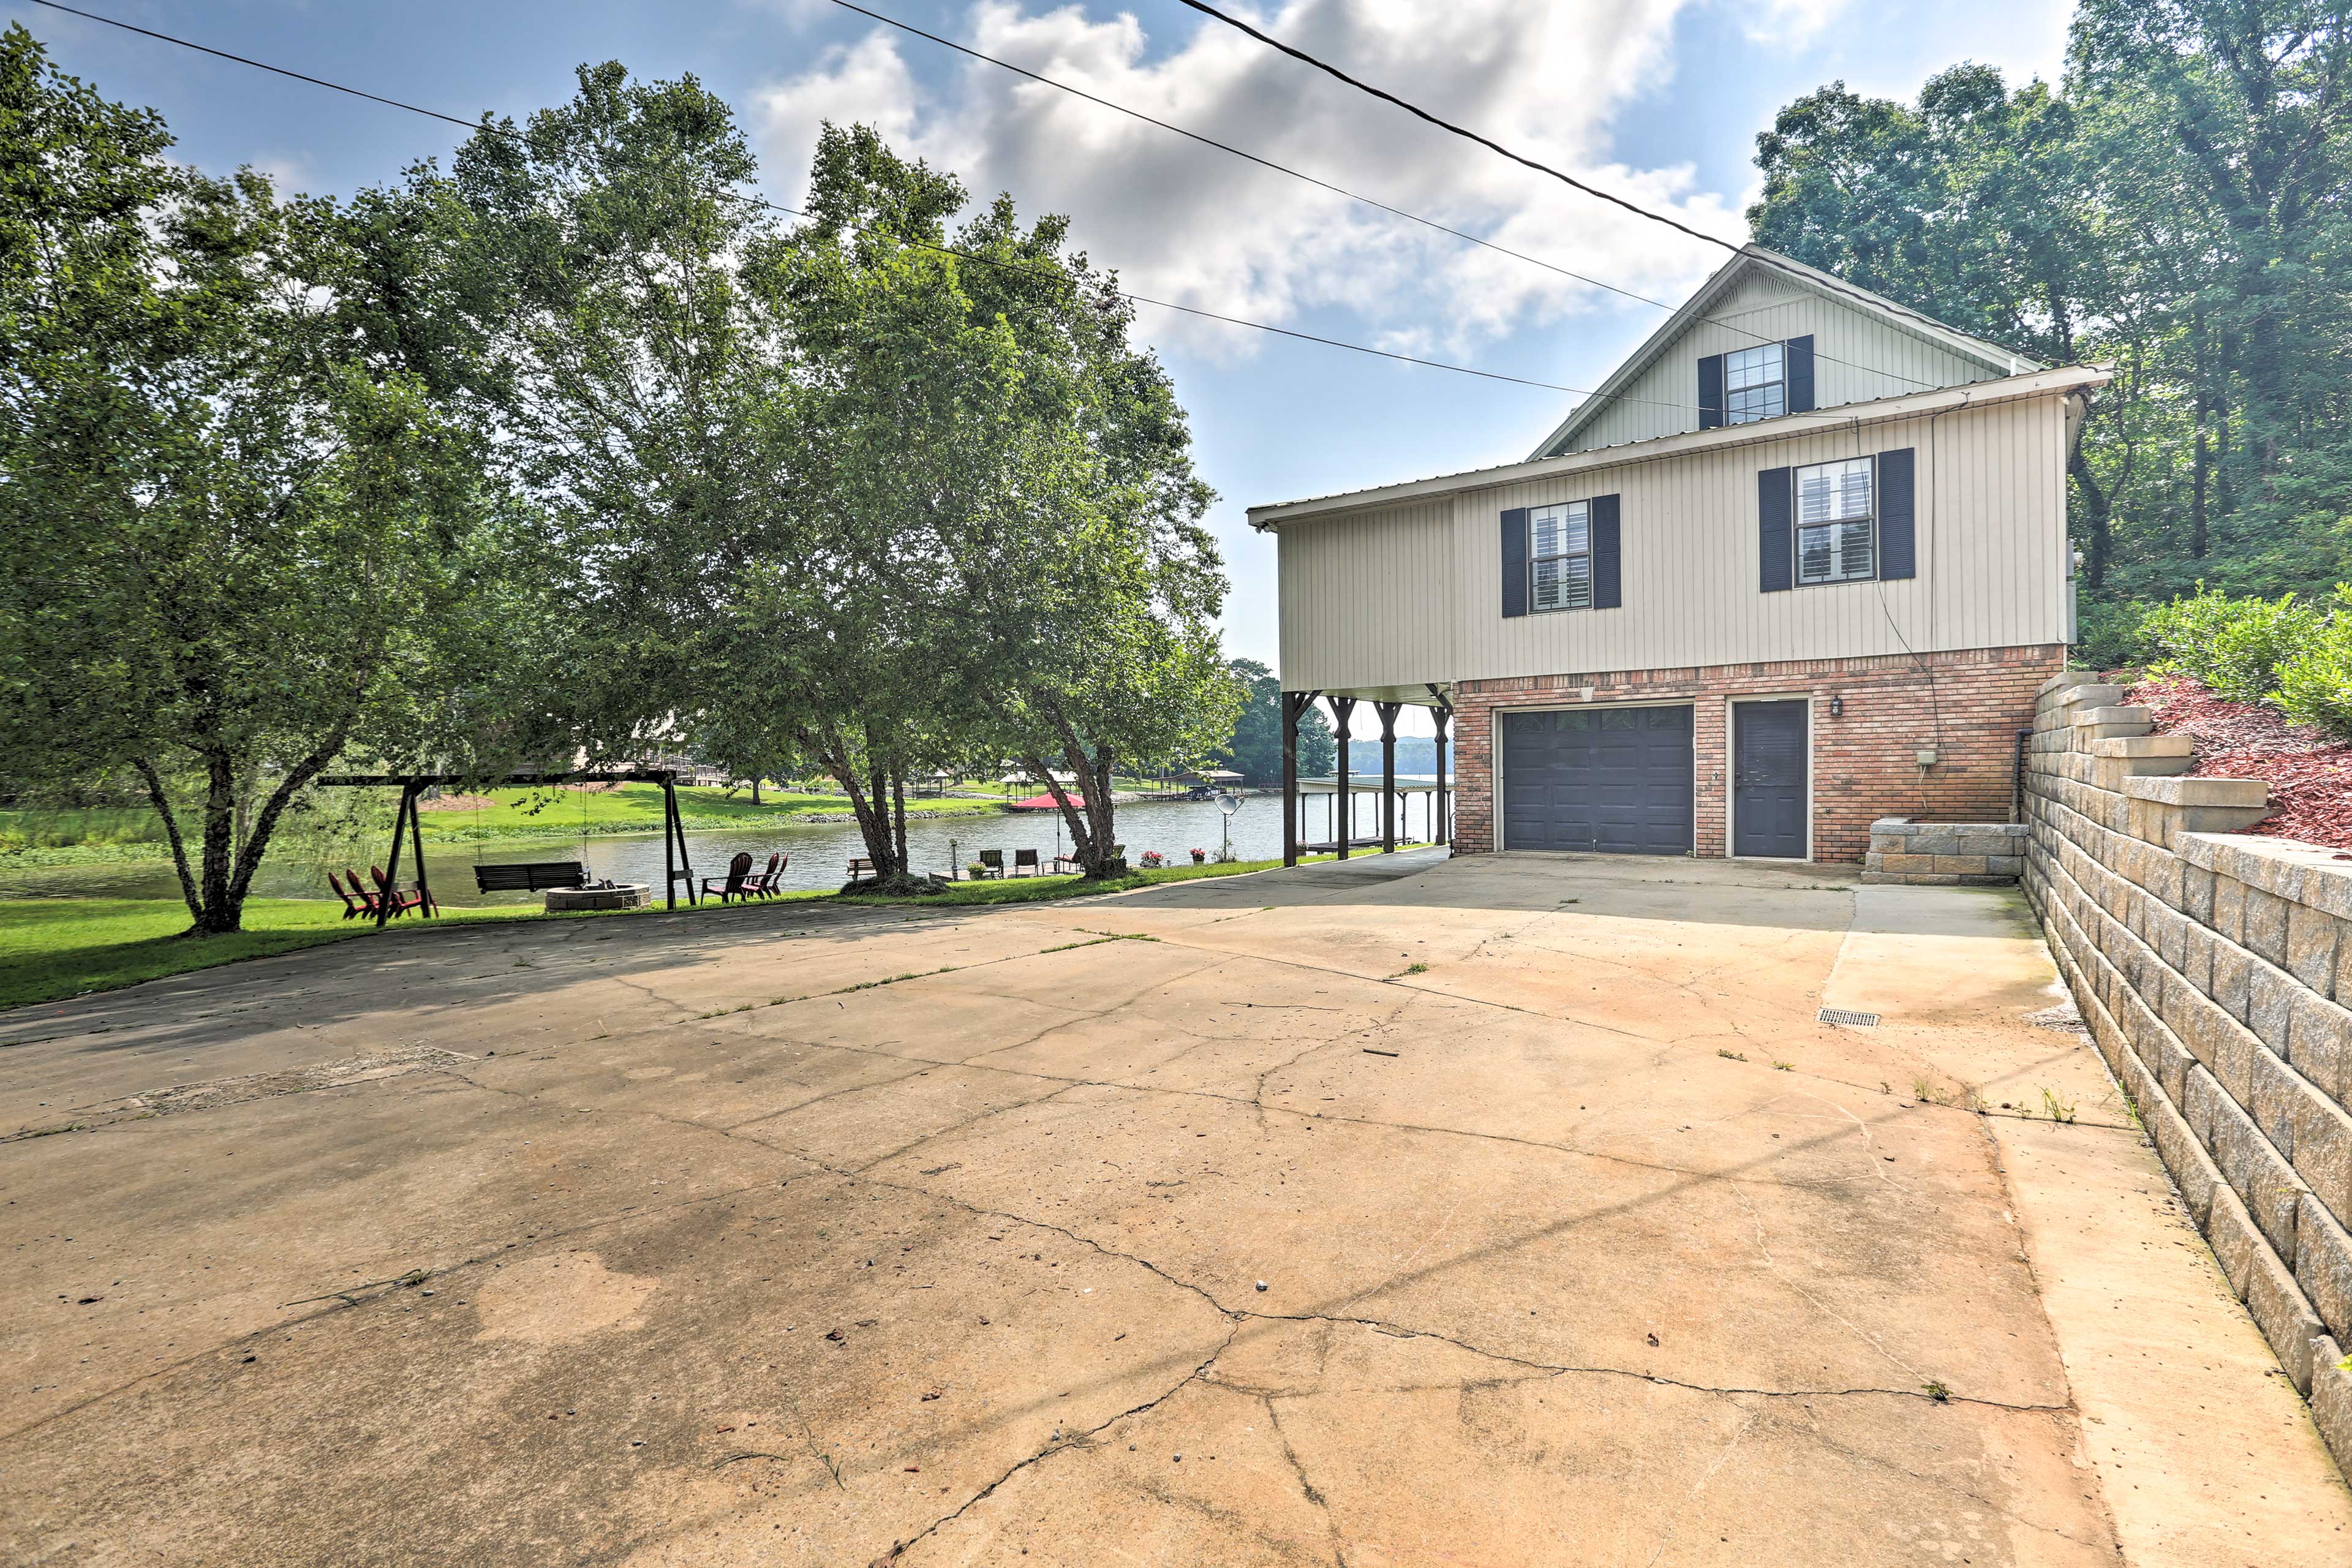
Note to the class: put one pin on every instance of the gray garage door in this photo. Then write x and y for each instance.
(1615, 780)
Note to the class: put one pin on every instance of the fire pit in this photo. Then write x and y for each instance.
(604, 896)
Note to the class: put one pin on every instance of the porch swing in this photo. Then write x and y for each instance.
(532, 876)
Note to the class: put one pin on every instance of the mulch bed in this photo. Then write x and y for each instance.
(2310, 776)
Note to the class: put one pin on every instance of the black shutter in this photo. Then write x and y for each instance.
(1710, 392)
(1515, 563)
(1797, 359)
(1776, 568)
(1898, 540)
(1608, 592)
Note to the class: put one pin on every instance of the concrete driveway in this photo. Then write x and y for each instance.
(1509, 1211)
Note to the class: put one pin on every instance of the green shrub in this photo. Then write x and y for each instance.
(2234, 646)
(2314, 682)
(2108, 635)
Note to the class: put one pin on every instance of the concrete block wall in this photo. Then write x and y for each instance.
(2214, 970)
(1904, 850)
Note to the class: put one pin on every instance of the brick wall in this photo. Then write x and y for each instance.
(2214, 970)
(1864, 762)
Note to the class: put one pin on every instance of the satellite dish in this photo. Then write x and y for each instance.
(1228, 802)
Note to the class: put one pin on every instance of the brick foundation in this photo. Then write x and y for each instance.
(1864, 762)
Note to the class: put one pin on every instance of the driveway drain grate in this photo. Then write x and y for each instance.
(1839, 1016)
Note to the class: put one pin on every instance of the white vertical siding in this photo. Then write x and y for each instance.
(1412, 592)
(1367, 600)
(1858, 356)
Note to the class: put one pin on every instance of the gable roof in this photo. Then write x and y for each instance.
(1753, 259)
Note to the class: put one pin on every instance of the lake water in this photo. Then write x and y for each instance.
(820, 851)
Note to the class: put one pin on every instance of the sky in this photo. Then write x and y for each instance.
(1658, 99)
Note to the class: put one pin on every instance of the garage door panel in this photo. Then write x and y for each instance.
(1615, 780)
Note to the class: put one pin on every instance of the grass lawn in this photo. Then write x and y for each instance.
(637, 808)
(52, 947)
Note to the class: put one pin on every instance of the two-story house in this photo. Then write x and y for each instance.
(1800, 562)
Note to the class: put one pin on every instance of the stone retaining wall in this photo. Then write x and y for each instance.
(1966, 854)
(2214, 970)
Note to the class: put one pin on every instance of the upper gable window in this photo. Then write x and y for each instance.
(1560, 562)
(1836, 505)
(1755, 383)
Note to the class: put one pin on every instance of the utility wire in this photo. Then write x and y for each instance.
(1369, 201)
(1542, 168)
(1352, 196)
(1242, 153)
(486, 127)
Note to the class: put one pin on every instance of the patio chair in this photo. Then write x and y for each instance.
(767, 884)
(357, 900)
(992, 863)
(414, 898)
(730, 886)
(1026, 858)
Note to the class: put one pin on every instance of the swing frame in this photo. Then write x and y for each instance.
(675, 864)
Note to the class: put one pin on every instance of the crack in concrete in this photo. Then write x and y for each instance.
(1305, 1485)
(1077, 1440)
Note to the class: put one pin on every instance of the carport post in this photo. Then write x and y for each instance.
(1343, 712)
(1439, 714)
(1294, 708)
(1388, 712)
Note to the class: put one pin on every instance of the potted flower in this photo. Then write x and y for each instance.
(1153, 859)
(1199, 856)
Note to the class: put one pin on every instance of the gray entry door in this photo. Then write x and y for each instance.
(1768, 778)
(1611, 780)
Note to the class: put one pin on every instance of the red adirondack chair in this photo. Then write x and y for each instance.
(357, 900)
(768, 883)
(732, 887)
(400, 902)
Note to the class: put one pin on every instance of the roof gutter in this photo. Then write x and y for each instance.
(2071, 379)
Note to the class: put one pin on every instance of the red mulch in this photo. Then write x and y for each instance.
(2310, 776)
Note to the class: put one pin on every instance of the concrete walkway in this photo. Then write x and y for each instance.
(1508, 1211)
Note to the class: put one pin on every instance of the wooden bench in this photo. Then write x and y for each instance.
(861, 867)
(529, 876)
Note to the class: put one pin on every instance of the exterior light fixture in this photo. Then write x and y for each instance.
(1837, 707)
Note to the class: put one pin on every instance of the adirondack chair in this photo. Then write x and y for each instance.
(400, 902)
(357, 900)
(768, 883)
(1025, 858)
(730, 886)
(992, 863)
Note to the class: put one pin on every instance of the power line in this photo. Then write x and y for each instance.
(1265, 163)
(485, 127)
(1566, 179)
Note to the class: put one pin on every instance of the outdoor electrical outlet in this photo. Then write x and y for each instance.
(1927, 756)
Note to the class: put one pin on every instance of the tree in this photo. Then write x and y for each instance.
(243, 540)
(1030, 566)
(2169, 211)
(1254, 748)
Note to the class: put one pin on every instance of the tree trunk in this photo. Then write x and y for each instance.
(163, 804)
(755, 786)
(2095, 519)
(832, 751)
(219, 915)
(898, 820)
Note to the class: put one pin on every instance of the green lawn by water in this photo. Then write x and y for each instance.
(52, 947)
(135, 832)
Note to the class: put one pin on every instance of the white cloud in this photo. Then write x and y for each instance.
(1792, 22)
(1198, 227)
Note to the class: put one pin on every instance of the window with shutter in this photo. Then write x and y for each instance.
(1560, 557)
(1835, 513)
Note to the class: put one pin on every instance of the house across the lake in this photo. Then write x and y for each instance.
(1800, 563)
